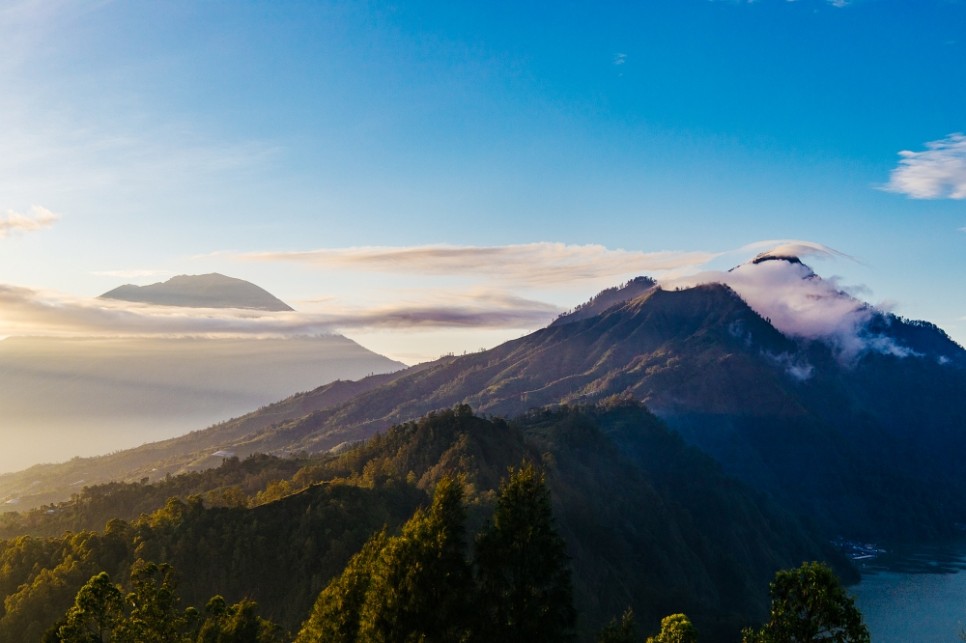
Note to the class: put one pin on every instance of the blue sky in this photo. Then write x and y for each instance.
(436, 177)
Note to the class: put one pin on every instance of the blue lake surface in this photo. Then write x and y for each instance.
(915, 595)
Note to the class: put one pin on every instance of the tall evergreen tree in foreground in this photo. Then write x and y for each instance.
(418, 586)
(808, 604)
(415, 586)
(522, 570)
(335, 616)
(421, 582)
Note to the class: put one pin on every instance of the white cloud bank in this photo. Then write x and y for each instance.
(937, 172)
(24, 311)
(524, 265)
(15, 222)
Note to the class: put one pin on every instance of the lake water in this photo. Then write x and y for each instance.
(915, 595)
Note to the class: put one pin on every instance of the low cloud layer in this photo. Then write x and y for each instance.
(938, 172)
(16, 222)
(531, 264)
(490, 310)
(24, 311)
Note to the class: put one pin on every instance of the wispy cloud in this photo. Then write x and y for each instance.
(620, 59)
(532, 264)
(794, 248)
(452, 309)
(38, 219)
(25, 311)
(937, 172)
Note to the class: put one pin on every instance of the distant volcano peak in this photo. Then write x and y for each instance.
(212, 290)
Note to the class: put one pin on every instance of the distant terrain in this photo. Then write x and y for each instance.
(201, 291)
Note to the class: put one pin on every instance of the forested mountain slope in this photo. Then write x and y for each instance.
(649, 522)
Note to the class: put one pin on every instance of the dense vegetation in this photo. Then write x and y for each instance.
(234, 483)
(648, 523)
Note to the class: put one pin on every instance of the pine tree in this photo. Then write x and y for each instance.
(421, 581)
(335, 615)
(619, 631)
(523, 577)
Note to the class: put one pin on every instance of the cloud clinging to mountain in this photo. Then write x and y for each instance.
(39, 218)
(802, 305)
(937, 172)
(799, 303)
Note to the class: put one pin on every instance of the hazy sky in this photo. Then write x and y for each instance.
(437, 177)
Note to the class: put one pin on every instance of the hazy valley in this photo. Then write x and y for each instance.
(86, 396)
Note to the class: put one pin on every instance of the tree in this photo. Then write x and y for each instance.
(335, 615)
(238, 623)
(522, 570)
(619, 631)
(97, 611)
(808, 604)
(421, 582)
(676, 628)
(216, 613)
(155, 614)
